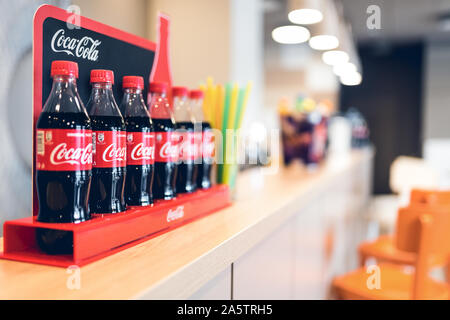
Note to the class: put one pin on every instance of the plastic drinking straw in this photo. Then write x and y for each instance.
(205, 102)
(232, 169)
(226, 108)
(212, 106)
(233, 106)
(230, 125)
(219, 106)
(242, 104)
(211, 99)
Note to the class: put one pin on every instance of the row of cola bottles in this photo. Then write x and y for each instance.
(104, 158)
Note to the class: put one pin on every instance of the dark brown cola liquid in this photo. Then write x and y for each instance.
(63, 195)
(164, 186)
(108, 184)
(205, 167)
(187, 170)
(139, 181)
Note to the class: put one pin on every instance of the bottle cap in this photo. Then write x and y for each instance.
(180, 92)
(158, 87)
(133, 82)
(99, 75)
(196, 94)
(64, 68)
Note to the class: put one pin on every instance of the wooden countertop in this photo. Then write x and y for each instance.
(176, 264)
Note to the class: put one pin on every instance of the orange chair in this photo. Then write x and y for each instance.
(384, 249)
(429, 197)
(418, 233)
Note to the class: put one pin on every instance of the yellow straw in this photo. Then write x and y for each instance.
(214, 110)
(209, 82)
(233, 106)
(211, 101)
(244, 105)
(205, 102)
(220, 104)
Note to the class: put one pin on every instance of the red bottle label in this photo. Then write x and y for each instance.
(110, 149)
(186, 146)
(63, 150)
(140, 148)
(166, 147)
(208, 144)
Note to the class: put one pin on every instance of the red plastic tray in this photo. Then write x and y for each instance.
(104, 235)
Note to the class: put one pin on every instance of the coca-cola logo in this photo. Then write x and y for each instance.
(175, 214)
(140, 152)
(61, 155)
(208, 145)
(187, 147)
(85, 48)
(168, 150)
(114, 153)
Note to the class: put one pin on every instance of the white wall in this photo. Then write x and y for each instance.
(436, 123)
(222, 38)
(129, 15)
(199, 38)
(436, 112)
(247, 53)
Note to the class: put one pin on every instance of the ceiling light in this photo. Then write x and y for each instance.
(335, 57)
(305, 16)
(343, 69)
(290, 34)
(324, 42)
(351, 79)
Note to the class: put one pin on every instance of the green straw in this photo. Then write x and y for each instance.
(234, 167)
(226, 111)
(239, 108)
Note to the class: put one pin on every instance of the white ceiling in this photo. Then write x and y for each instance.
(401, 20)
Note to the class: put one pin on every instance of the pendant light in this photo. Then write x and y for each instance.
(305, 12)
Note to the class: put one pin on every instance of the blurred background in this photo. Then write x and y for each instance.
(391, 71)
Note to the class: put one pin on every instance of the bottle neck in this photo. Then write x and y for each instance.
(62, 81)
(196, 106)
(63, 85)
(64, 96)
(160, 107)
(133, 94)
(99, 89)
(133, 103)
(135, 91)
(181, 110)
(102, 102)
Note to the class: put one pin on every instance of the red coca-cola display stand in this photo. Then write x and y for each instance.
(61, 35)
